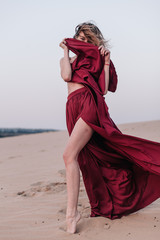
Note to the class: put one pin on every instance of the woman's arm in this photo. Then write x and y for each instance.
(106, 70)
(66, 70)
(106, 53)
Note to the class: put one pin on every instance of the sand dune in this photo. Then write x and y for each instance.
(33, 192)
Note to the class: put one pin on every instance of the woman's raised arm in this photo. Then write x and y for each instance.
(66, 70)
(105, 52)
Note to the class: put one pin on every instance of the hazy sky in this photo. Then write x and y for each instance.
(32, 93)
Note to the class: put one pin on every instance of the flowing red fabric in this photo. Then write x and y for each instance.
(120, 172)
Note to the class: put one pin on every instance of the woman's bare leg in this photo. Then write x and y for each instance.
(79, 137)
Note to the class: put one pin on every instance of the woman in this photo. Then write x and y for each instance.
(119, 171)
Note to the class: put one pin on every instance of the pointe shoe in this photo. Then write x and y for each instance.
(72, 222)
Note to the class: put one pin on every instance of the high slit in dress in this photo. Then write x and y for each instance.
(120, 172)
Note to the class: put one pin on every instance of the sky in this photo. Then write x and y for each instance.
(32, 92)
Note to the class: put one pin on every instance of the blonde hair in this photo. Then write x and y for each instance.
(92, 33)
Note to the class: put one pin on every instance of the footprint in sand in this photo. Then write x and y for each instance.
(41, 187)
(63, 228)
(18, 156)
(107, 226)
(62, 173)
(62, 211)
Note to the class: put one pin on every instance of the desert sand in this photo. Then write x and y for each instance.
(33, 192)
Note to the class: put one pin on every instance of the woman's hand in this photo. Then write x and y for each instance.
(105, 52)
(62, 44)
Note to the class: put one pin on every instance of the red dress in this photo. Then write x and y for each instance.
(120, 172)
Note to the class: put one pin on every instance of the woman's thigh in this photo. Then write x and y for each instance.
(79, 137)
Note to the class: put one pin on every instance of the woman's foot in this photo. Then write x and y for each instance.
(72, 222)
